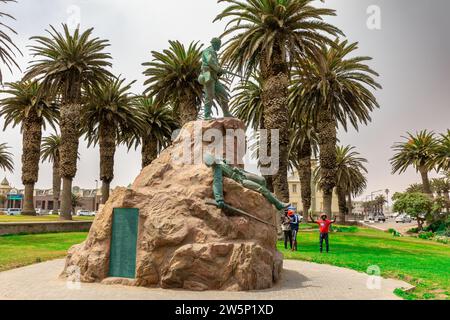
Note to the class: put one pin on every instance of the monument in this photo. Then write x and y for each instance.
(193, 219)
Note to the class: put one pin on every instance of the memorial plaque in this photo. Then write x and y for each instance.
(122, 262)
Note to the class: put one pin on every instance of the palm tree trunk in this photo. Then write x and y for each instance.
(275, 74)
(107, 142)
(31, 153)
(349, 205)
(105, 191)
(56, 185)
(265, 168)
(342, 204)
(447, 198)
(425, 181)
(70, 132)
(326, 130)
(188, 110)
(66, 199)
(269, 183)
(28, 205)
(420, 223)
(149, 151)
(305, 174)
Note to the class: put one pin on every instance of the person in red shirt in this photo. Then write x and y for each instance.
(324, 228)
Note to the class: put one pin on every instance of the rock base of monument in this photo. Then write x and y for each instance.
(184, 243)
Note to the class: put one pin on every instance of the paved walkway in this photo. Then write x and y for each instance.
(301, 280)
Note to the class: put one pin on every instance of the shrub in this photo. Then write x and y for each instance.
(413, 230)
(426, 235)
(394, 232)
(444, 233)
(351, 229)
(442, 239)
(438, 226)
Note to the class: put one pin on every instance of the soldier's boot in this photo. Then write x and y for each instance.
(275, 201)
(267, 194)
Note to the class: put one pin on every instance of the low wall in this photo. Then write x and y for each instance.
(44, 227)
(350, 223)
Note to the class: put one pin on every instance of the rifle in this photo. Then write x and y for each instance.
(239, 212)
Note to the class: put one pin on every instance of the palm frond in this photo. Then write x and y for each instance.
(8, 49)
(172, 74)
(258, 28)
(6, 160)
(417, 151)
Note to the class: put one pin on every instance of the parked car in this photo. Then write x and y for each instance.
(403, 218)
(46, 212)
(72, 213)
(14, 212)
(85, 213)
(38, 211)
(377, 218)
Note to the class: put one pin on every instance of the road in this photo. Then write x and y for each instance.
(391, 224)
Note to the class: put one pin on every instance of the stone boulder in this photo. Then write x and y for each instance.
(182, 241)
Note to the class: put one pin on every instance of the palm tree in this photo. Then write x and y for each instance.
(334, 89)
(265, 36)
(350, 178)
(68, 62)
(443, 152)
(6, 160)
(303, 146)
(415, 188)
(108, 116)
(156, 132)
(419, 152)
(379, 203)
(50, 152)
(25, 105)
(7, 46)
(172, 79)
(3, 199)
(247, 105)
(75, 201)
(436, 186)
(442, 187)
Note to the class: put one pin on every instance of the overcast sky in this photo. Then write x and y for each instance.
(411, 52)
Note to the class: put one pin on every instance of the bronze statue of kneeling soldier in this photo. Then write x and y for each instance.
(246, 179)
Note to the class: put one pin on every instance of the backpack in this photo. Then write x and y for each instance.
(295, 219)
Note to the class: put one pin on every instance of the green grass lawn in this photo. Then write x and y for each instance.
(307, 226)
(21, 250)
(5, 218)
(423, 263)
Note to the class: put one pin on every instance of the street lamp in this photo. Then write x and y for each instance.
(387, 197)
